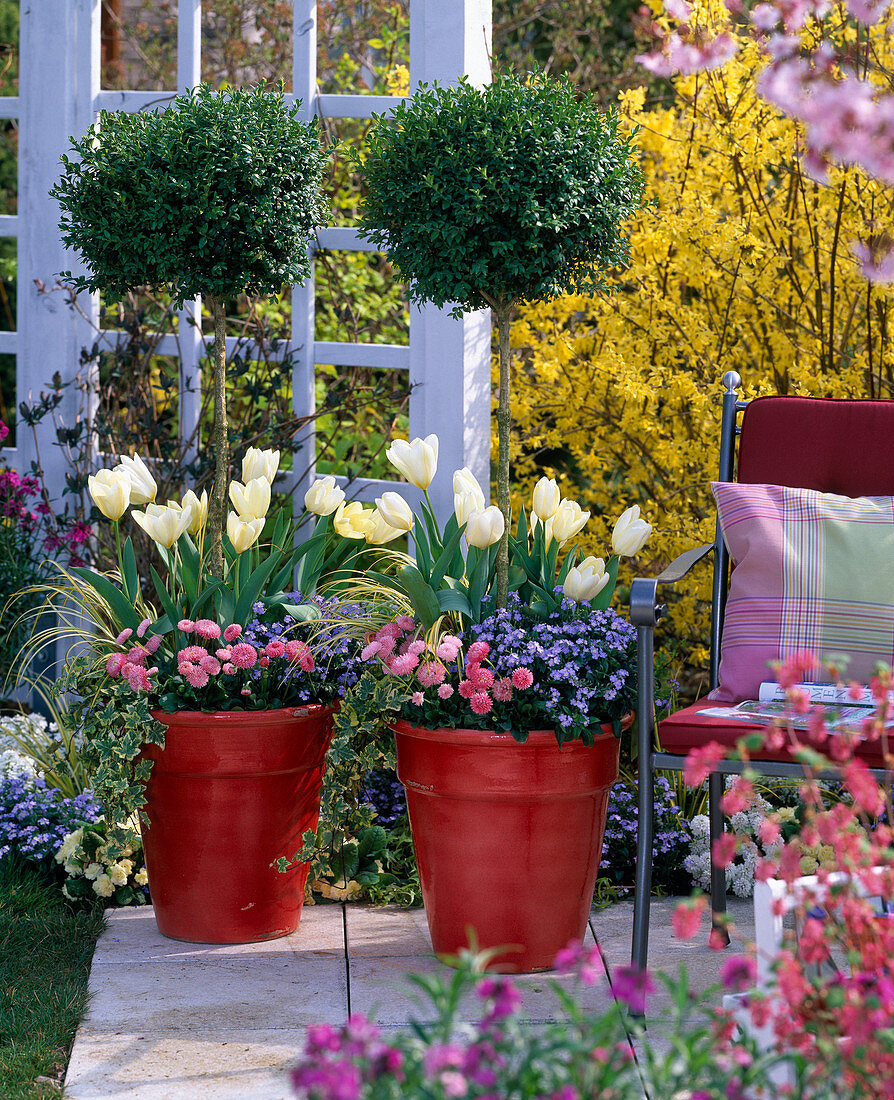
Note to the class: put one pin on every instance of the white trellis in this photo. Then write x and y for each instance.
(60, 95)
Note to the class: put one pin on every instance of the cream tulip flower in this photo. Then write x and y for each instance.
(568, 520)
(484, 528)
(142, 484)
(163, 525)
(323, 497)
(353, 521)
(257, 463)
(630, 532)
(585, 581)
(243, 533)
(468, 496)
(110, 490)
(546, 498)
(197, 508)
(251, 500)
(395, 511)
(417, 461)
(382, 531)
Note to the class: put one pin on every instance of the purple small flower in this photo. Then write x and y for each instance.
(630, 986)
(738, 973)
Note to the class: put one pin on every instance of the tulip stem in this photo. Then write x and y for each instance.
(503, 314)
(218, 499)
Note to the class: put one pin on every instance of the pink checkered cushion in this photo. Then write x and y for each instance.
(811, 571)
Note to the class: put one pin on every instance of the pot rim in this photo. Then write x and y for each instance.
(305, 710)
(535, 737)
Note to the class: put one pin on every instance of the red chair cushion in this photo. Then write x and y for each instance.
(844, 447)
(689, 728)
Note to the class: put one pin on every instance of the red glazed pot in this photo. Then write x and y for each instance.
(229, 794)
(508, 836)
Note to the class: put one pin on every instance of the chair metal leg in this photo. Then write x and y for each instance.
(718, 874)
(639, 954)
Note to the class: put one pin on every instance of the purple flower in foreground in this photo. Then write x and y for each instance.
(630, 986)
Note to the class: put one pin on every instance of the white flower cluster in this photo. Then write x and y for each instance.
(104, 873)
(13, 762)
(18, 728)
(740, 873)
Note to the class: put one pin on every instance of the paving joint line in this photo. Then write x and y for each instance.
(344, 925)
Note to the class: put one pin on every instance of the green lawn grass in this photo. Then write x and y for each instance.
(46, 945)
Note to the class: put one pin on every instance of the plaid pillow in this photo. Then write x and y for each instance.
(811, 571)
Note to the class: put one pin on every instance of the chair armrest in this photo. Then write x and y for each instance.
(644, 608)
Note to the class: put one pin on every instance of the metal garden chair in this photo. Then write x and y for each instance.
(844, 447)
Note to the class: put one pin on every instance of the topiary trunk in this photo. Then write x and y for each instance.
(218, 500)
(503, 314)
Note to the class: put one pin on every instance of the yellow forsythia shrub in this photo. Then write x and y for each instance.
(742, 263)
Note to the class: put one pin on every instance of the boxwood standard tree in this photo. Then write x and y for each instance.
(491, 197)
(216, 195)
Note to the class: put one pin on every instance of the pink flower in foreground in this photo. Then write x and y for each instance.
(522, 678)
(445, 691)
(300, 653)
(867, 794)
(737, 973)
(196, 677)
(403, 664)
(482, 678)
(223, 654)
(700, 763)
(137, 655)
(244, 655)
(123, 636)
(724, 849)
(229, 669)
(466, 689)
(276, 648)
(630, 987)
(206, 628)
(417, 698)
(263, 660)
(739, 796)
(210, 664)
(232, 632)
(137, 677)
(115, 663)
(369, 651)
(186, 625)
(481, 702)
(143, 627)
(430, 673)
(687, 917)
(152, 643)
(477, 652)
(405, 622)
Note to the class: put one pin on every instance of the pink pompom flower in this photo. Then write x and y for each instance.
(482, 678)
(522, 678)
(370, 650)
(232, 632)
(449, 647)
(477, 652)
(137, 677)
(152, 643)
(417, 698)
(445, 691)
(207, 628)
(143, 627)
(263, 660)
(276, 648)
(430, 673)
(115, 663)
(405, 622)
(192, 653)
(503, 690)
(466, 689)
(229, 669)
(481, 702)
(123, 636)
(196, 677)
(210, 664)
(186, 625)
(244, 655)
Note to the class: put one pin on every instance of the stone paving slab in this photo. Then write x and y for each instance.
(176, 1021)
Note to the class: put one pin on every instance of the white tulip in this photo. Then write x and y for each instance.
(630, 533)
(468, 495)
(251, 500)
(163, 525)
(353, 521)
(484, 528)
(585, 581)
(395, 511)
(110, 490)
(546, 498)
(243, 533)
(197, 508)
(417, 461)
(323, 497)
(258, 463)
(568, 520)
(382, 531)
(142, 483)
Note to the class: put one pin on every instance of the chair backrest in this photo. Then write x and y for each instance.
(831, 445)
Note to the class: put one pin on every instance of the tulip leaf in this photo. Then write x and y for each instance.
(449, 599)
(445, 558)
(570, 560)
(604, 598)
(301, 612)
(423, 553)
(129, 571)
(422, 596)
(120, 605)
(251, 590)
(171, 609)
(211, 589)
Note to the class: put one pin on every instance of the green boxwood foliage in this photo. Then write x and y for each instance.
(490, 196)
(216, 195)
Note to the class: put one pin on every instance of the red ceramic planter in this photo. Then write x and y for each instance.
(229, 794)
(508, 836)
